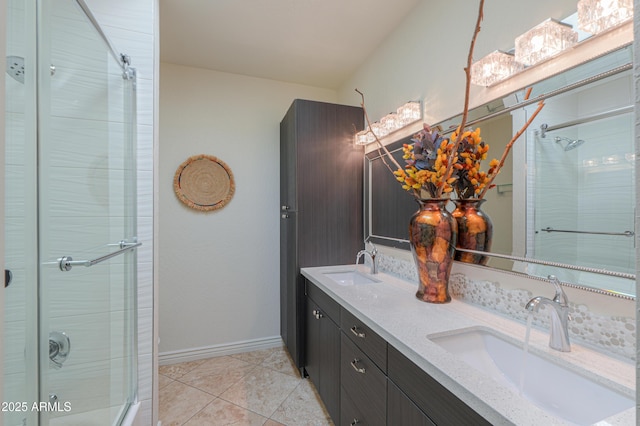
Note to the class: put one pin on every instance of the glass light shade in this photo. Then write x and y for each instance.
(379, 130)
(610, 159)
(362, 137)
(371, 138)
(390, 122)
(409, 112)
(494, 67)
(544, 41)
(595, 16)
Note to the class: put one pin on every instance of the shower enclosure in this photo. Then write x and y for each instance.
(70, 304)
(581, 171)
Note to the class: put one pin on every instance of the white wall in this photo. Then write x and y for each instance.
(219, 271)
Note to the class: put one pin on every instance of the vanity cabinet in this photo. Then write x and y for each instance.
(321, 202)
(442, 407)
(364, 387)
(402, 410)
(365, 381)
(322, 347)
(366, 339)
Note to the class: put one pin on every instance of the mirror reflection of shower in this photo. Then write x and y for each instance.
(571, 143)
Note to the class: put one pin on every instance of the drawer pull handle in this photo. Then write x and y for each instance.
(359, 334)
(317, 314)
(354, 422)
(354, 364)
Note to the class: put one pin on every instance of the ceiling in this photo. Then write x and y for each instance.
(311, 42)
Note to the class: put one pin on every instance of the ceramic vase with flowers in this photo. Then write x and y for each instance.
(432, 229)
(475, 229)
(428, 175)
(431, 170)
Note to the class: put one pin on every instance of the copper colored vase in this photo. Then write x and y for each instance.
(475, 230)
(432, 236)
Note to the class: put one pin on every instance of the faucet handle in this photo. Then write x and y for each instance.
(373, 250)
(560, 296)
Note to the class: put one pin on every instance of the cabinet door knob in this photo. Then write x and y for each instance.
(284, 216)
(354, 364)
(317, 314)
(354, 422)
(285, 208)
(359, 334)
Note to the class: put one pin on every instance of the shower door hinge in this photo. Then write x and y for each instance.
(125, 59)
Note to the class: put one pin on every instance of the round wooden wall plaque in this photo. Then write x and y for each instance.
(204, 182)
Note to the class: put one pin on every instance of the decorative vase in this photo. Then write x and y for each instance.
(475, 230)
(432, 236)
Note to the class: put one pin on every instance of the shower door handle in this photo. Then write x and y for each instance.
(8, 276)
(67, 262)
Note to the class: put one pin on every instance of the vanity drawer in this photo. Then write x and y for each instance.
(370, 342)
(353, 415)
(327, 305)
(363, 382)
(402, 411)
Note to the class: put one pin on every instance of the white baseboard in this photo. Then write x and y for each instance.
(174, 357)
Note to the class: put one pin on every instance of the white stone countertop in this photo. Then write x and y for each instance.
(391, 309)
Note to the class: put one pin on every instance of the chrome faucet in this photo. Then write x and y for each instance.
(559, 332)
(372, 254)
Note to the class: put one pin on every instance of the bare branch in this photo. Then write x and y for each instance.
(380, 144)
(507, 149)
(465, 111)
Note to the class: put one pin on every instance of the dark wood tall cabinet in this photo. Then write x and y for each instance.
(321, 199)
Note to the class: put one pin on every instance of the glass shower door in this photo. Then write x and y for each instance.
(20, 357)
(86, 221)
(83, 225)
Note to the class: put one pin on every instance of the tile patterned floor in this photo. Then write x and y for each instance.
(252, 388)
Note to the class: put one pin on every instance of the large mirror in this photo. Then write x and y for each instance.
(565, 201)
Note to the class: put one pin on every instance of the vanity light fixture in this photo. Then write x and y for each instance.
(405, 115)
(595, 16)
(494, 67)
(544, 41)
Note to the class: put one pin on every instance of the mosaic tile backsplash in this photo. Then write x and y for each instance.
(613, 334)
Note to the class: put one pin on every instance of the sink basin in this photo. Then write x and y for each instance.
(350, 278)
(556, 389)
